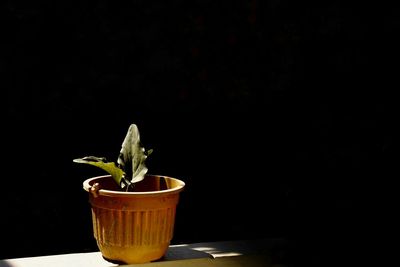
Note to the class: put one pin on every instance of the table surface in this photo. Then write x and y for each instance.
(224, 253)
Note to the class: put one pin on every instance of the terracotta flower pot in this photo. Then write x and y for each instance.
(133, 227)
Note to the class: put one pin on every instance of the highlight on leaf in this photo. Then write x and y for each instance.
(132, 156)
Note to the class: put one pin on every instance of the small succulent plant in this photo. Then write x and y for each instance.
(130, 167)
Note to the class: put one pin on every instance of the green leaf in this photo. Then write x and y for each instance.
(131, 166)
(117, 173)
(132, 156)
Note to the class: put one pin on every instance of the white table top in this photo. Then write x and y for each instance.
(210, 250)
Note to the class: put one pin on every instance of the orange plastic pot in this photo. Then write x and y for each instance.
(133, 227)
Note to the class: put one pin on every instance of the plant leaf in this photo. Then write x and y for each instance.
(117, 173)
(132, 155)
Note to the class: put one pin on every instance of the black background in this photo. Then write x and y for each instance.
(278, 115)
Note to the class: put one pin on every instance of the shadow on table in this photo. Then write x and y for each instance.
(5, 264)
(226, 249)
(181, 252)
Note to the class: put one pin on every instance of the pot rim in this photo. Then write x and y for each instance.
(106, 192)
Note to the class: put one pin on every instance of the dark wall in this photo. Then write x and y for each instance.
(279, 116)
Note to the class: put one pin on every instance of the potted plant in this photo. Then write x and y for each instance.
(133, 212)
